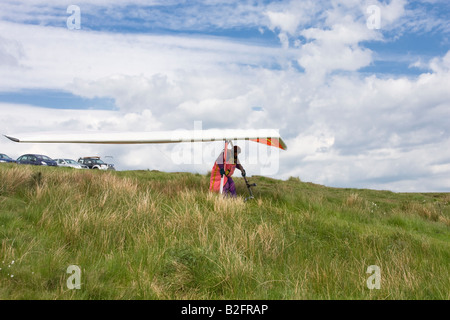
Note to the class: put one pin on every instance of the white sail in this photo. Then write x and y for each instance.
(265, 136)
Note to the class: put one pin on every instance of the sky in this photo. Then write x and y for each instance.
(358, 89)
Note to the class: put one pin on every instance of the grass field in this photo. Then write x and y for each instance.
(155, 235)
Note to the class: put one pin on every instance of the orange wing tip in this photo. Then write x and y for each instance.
(274, 142)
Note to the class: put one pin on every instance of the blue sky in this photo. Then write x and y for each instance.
(358, 106)
(56, 99)
(423, 32)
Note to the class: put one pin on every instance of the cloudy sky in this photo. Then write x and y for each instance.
(358, 89)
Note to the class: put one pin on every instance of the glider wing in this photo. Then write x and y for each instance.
(269, 137)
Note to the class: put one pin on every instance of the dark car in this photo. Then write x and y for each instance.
(5, 158)
(96, 163)
(36, 159)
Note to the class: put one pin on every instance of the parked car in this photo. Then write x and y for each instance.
(5, 158)
(70, 163)
(96, 163)
(36, 159)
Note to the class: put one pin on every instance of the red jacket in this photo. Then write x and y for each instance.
(230, 166)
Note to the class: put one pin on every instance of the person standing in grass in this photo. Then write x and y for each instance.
(224, 167)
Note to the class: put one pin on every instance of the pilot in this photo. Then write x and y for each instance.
(226, 169)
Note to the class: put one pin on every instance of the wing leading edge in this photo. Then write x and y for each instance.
(270, 137)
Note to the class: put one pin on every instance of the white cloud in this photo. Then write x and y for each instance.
(441, 65)
(392, 11)
(55, 57)
(285, 21)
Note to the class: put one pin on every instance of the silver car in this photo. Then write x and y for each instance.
(70, 163)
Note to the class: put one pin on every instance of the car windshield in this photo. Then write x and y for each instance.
(70, 161)
(97, 161)
(4, 156)
(45, 158)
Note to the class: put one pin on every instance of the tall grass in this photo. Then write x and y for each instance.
(155, 235)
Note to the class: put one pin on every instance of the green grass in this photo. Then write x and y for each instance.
(156, 235)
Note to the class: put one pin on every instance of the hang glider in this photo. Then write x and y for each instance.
(270, 137)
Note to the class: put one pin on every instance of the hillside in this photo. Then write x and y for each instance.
(155, 235)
